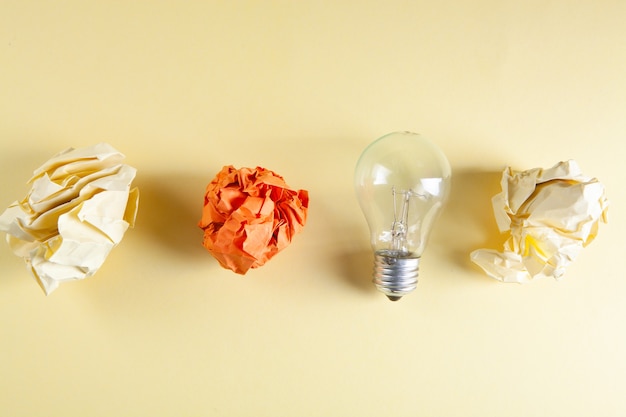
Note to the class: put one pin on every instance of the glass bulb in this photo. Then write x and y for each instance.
(402, 181)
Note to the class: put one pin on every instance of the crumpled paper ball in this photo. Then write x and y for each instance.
(79, 207)
(249, 216)
(551, 215)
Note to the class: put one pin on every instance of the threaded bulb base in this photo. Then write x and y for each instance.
(395, 273)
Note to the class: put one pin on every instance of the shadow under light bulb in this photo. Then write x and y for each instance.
(402, 181)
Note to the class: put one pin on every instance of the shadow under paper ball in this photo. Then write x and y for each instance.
(467, 222)
(170, 207)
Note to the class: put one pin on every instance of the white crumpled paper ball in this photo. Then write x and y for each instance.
(551, 216)
(79, 207)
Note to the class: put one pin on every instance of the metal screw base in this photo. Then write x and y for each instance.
(395, 273)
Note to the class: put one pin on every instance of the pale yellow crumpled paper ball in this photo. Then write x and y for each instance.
(79, 207)
(551, 215)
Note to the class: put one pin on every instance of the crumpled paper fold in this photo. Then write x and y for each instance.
(551, 214)
(250, 215)
(79, 207)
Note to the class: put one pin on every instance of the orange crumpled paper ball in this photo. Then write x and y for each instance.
(249, 216)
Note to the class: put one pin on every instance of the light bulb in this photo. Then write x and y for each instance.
(402, 181)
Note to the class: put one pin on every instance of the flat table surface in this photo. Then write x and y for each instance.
(301, 88)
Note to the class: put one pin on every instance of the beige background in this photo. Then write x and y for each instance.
(183, 88)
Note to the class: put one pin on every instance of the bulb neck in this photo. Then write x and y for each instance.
(395, 273)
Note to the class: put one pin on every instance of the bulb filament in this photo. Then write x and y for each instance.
(399, 226)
